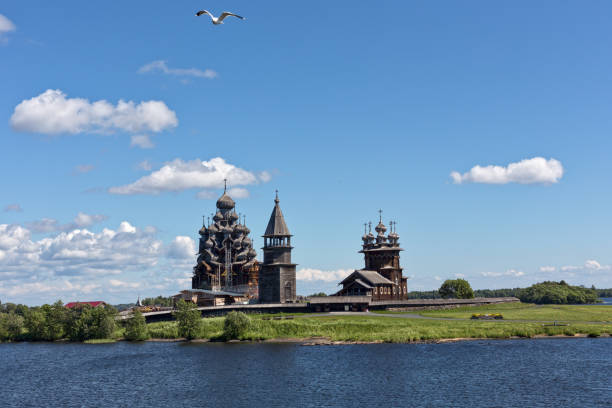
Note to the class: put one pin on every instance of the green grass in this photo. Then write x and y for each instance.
(379, 328)
(100, 341)
(527, 311)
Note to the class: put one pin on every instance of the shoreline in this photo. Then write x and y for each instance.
(323, 341)
(320, 341)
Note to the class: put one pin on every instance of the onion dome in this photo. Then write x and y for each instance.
(246, 242)
(240, 229)
(233, 216)
(203, 230)
(380, 228)
(213, 229)
(209, 243)
(225, 202)
(252, 253)
(236, 244)
(218, 216)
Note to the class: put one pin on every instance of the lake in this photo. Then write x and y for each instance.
(497, 373)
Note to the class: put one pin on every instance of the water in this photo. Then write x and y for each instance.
(502, 373)
(605, 301)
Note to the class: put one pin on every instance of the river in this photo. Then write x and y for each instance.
(496, 373)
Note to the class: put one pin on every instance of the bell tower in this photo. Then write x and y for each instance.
(277, 274)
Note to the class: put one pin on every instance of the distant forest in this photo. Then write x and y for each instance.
(490, 293)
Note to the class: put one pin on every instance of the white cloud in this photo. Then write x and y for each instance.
(179, 175)
(509, 272)
(145, 165)
(308, 274)
(589, 265)
(594, 265)
(13, 207)
(537, 170)
(142, 141)
(81, 220)
(53, 113)
(6, 26)
(112, 265)
(182, 248)
(37, 288)
(264, 176)
(547, 269)
(162, 66)
(207, 195)
(85, 220)
(238, 192)
(76, 253)
(84, 168)
(116, 283)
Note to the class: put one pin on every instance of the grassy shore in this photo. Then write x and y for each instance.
(528, 311)
(377, 328)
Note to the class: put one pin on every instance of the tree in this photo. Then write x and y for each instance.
(84, 323)
(235, 325)
(36, 323)
(557, 293)
(188, 318)
(136, 327)
(11, 325)
(56, 318)
(456, 289)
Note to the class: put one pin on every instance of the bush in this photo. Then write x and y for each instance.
(136, 327)
(236, 325)
(188, 318)
(456, 289)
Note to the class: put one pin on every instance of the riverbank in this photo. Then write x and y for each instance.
(426, 326)
(393, 328)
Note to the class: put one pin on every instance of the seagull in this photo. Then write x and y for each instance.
(218, 20)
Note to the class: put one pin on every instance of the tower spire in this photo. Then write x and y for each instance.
(224, 185)
(276, 200)
(380, 215)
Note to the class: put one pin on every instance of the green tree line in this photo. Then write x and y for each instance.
(56, 322)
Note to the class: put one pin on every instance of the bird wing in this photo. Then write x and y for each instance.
(227, 13)
(199, 13)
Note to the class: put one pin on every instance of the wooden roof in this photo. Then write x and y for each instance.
(372, 277)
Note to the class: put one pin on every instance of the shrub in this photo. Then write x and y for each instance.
(457, 289)
(236, 325)
(188, 318)
(136, 327)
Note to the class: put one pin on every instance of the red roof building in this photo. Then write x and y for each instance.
(92, 304)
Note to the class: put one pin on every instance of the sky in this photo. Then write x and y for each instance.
(481, 128)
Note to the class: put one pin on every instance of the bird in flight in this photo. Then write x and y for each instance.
(218, 20)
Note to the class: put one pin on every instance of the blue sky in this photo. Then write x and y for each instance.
(107, 111)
